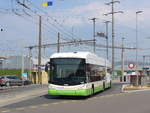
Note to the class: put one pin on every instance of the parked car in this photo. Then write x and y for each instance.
(10, 80)
(27, 82)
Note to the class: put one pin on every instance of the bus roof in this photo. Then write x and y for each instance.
(88, 56)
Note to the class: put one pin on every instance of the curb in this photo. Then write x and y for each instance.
(23, 86)
(132, 91)
(122, 88)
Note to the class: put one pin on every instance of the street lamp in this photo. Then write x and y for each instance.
(138, 12)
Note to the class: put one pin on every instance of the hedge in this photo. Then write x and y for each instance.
(12, 72)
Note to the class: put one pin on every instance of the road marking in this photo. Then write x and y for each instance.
(106, 96)
(45, 105)
(64, 102)
(73, 101)
(22, 108)
(33, 107)
(56, 103)
(95, 97)
(5, 111)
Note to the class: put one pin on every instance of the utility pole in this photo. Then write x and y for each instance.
(143, 62)
(113, 38)
(113, 30)
(94, 35)
(22, 67)
(107, 22)
(30, 63)
(22, 58)
(122, 57)
(39, 48)
(58, 43)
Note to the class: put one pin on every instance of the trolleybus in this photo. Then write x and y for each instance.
(78, 74)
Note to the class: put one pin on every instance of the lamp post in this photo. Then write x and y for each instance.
(138, 12)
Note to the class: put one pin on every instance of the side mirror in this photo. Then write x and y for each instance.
(47, 66)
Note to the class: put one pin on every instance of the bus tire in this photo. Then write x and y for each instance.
(7, 84)
(110, 84)
(103, 85)
(92, 89)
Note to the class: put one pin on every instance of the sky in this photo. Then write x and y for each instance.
(72, 19)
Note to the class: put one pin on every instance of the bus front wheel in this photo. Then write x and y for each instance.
(110, 84)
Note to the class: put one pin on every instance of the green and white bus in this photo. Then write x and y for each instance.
(78, 74)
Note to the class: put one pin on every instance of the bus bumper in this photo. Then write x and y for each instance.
(84, 92)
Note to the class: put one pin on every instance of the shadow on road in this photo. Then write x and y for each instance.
(72, 97)
(65, 97)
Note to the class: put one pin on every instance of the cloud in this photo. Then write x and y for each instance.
(129, 17)
(81, 14)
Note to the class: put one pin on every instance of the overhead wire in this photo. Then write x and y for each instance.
(52, 24)
(30, 16)
(63, 29)
(49, 22)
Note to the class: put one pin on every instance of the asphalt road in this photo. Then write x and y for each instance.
(47, 99)
(109, 101)
(118, 103)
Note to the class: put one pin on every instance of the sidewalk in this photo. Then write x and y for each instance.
(14, 97)
(124, 90)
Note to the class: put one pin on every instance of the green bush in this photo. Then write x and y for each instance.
(12, 72)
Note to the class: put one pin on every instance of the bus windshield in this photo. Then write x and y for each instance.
(67, 71)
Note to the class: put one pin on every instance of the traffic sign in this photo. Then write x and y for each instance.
(24, 76)
(131, 65)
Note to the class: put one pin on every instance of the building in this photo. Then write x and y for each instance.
(16, 62)
(13, 62)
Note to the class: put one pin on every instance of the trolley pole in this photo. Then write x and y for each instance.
(39, 49)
